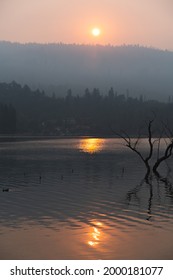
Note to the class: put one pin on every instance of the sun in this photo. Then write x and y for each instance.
(96, 31)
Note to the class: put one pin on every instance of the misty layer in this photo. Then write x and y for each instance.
(57, 67)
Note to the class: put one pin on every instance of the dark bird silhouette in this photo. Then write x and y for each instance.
(5, 189)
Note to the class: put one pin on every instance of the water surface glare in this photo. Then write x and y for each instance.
(81, 198)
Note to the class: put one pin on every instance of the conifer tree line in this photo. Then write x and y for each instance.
(32, 112)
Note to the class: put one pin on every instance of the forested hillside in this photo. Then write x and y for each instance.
(57, 67)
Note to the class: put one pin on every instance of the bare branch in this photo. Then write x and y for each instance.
(167, 154)
(150, 141)
(133, 145)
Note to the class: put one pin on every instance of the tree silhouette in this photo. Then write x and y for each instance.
(133, 144)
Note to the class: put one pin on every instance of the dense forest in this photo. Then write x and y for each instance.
(24, 111)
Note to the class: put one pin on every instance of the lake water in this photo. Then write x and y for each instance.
(81, 199)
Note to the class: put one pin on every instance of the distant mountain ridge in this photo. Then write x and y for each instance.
(131, 70)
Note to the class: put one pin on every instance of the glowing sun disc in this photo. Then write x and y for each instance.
(96, 32)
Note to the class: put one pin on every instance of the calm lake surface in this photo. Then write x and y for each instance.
(81, 199)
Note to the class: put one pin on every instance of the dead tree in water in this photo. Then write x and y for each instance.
(134, 146)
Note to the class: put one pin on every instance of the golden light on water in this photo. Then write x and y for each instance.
(91, 243)
(95, 234)
(91, 145)
(99, 224)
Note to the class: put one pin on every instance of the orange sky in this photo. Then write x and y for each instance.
(143, 22)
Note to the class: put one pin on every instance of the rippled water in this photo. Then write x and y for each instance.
(81, 199)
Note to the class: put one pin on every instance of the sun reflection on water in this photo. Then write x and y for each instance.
(91, 145)
(95, 234)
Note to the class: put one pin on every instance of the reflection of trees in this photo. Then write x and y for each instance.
(134, 193)
(152, 173)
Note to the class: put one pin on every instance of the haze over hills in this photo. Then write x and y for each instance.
(55, 68)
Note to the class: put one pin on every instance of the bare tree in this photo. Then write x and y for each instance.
(133, 144)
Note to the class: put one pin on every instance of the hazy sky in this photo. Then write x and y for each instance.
(143, 22)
